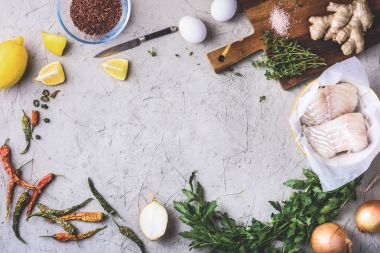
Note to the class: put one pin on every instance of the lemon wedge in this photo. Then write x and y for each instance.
(51, 74)
(54, 43)
(117, 68)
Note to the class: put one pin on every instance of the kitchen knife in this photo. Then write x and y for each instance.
(135, 42)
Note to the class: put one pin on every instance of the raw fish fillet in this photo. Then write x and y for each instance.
(331, 102)
(345, 133)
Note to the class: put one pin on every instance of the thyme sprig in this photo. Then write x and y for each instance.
(288, 230)
(153, 52)
(285, 58)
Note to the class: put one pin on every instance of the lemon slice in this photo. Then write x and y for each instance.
(54, 43)
(117, 68)
(51, 74)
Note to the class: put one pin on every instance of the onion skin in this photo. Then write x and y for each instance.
(330, 238)
(367, 217)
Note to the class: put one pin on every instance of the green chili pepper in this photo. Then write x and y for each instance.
(106, 206)
(26, 127)
(22, 201)
(44, 106)
(67, 226)
(46, 120)
(10, 190)
(45, 209)
(130, 234)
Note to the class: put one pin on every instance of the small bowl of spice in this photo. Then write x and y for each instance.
(93, 21)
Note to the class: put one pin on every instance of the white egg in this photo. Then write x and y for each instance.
(192, 29)
(223, 10)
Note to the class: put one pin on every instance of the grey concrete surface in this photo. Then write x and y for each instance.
(146, 135)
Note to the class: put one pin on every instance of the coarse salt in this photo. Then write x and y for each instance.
(280, 21)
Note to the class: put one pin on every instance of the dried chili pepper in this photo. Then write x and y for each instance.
(20, 205)
(85, 216)
(35, 118)
(10, 189)
(26, 127)
(44, 209)
(67, 226)
(130, 234)
(37, 192)
(65, 237)
(103, 202)
(5, 158)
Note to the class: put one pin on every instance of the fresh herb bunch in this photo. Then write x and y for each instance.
(288, 230)
(286, 58)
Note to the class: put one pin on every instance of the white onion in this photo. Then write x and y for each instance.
(153, 220)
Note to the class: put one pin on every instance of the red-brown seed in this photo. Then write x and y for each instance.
(95, 17)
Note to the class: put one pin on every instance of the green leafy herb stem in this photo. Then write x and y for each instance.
(289, 228)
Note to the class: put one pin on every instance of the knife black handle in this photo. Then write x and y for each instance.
(160, 33)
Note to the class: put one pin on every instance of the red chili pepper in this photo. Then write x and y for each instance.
(37, 192)
(10, 191)
(5, 158)
(35, 118)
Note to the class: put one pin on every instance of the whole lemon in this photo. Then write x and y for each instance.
(13, 61)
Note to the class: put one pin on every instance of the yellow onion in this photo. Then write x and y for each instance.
(367, 217)
(330, 238)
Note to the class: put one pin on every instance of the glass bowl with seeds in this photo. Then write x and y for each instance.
(93, 21)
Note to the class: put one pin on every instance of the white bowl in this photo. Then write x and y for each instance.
(345, 167)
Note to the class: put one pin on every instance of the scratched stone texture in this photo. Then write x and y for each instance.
(146, 135)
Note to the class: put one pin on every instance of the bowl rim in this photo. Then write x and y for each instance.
(295, 102)
(58, 7)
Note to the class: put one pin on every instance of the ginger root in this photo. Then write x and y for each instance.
(346, 25)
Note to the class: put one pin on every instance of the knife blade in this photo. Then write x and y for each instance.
(135, 42)
(119, 48)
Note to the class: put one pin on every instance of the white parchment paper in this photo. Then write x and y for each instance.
(345, 167)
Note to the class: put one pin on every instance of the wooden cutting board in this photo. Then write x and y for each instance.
(300, 11)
